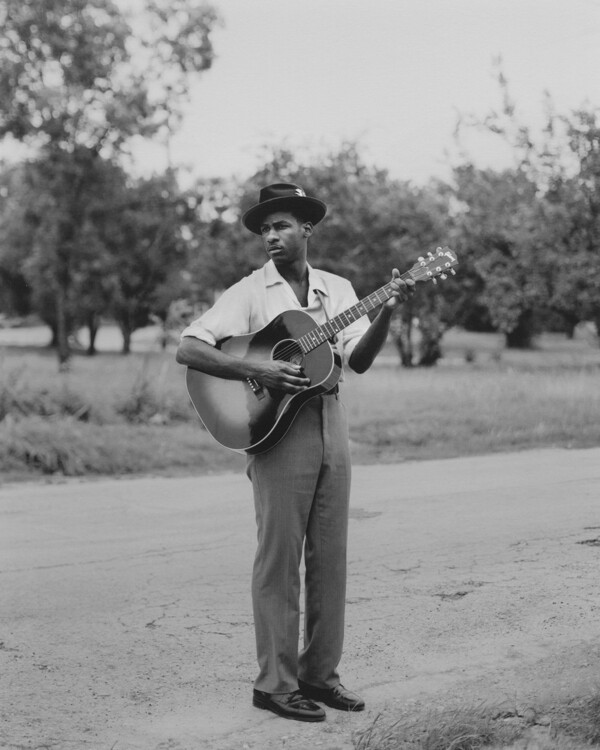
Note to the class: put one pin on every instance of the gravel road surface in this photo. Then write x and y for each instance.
(126, 617)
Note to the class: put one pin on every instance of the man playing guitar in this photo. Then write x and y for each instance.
(301, 484)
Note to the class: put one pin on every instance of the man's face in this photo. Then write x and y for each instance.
(284, 237)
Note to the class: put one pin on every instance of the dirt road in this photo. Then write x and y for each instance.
(126, 618)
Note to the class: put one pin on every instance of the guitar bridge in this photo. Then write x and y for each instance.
(256, 388)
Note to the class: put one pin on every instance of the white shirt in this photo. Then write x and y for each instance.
(255, 300)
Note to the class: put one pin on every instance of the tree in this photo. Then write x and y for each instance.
(15, 292)
(76, 73)
(220, 251)
(554, 260)
(146, 252)
(375, 223)
(501, 246)
(77, 82)
(47, 234)
(573, 199)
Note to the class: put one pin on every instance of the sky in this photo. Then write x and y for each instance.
(393, 75)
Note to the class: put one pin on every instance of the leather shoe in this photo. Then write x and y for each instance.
(337, 697)
(292, 705)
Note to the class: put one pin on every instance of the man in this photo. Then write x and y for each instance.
(301, 486)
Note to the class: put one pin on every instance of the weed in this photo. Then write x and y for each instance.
(580, 718)
(573, 725)
(454, 729)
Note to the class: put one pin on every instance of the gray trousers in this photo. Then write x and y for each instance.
(301, 492)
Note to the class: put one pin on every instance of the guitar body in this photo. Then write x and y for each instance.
(242, 414)
(245, 416)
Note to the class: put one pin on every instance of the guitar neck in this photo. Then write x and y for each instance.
(322, 333)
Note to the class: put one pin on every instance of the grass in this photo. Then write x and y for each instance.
(121, 415)
(573, 725)
(457, 729)
(461, 411)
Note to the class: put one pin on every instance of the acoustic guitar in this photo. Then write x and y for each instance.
(245, 416)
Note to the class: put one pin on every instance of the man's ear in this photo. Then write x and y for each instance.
(307, 228)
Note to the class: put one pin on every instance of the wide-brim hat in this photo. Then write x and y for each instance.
(283, 196)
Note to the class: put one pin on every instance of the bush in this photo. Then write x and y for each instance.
(19, 397)
(67, 447)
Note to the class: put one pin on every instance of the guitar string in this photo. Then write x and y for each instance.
(290, 350)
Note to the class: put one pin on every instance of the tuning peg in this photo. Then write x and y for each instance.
(421, 260)
(443, 276)
(453, 272)
(434, 281)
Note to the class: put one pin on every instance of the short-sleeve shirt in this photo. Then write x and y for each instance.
(255, 300)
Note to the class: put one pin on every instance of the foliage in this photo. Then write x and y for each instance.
(502, 255)
(141, 232)
(220, 251)
(531, 233)
(77, 82)
(48, 236)
(374, 224)
(574, 207)
(75, 73)
(15, 294)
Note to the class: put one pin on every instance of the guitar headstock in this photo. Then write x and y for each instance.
(440, 263)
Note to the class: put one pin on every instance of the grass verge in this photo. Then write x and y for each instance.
(570, 726)
(131, 415)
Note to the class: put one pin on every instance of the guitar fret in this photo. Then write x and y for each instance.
(318, 335)
(265, 427)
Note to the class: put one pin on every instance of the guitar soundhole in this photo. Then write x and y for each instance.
(288, 350)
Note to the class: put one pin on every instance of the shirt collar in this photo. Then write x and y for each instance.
(315, 280)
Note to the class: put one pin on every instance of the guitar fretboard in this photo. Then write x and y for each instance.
(322, 333)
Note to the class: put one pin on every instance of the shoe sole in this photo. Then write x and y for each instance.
(257, 703)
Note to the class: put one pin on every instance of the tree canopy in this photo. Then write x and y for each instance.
(82, 239)
(77, 82)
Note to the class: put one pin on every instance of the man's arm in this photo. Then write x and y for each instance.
(199, 355)
(375, 336)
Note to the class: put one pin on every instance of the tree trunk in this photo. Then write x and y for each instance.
(93, 324)
(126, 348)
(571, 322)
(126, 333)
(62, 335)
(402, 337)
(596, 320)
(430, 349)
(521, 337)
(53, 344)
(432, 330)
